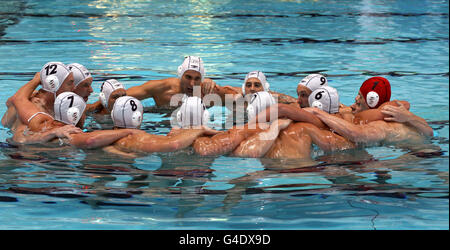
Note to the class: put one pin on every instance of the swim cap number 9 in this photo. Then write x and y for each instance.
(323, 80)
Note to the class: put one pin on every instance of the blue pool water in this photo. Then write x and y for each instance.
(136, 41)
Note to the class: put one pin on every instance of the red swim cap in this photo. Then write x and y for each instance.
(376, 91)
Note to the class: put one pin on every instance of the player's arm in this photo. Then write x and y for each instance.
(148, 89)
(94, 107)
(9, 117)
(258, 144)
(228, 94)
(371, 115)
(368, 133)
(401, 114)
(21, 100)
(325, 139)
(26, 109)
(224, 142)
(283, 98)
(173, 142)
(208, 86)
(98, 138)
(46, 136)
(289, 112)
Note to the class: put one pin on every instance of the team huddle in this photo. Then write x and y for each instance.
(277, 125)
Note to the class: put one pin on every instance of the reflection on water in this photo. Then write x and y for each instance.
(188, 186)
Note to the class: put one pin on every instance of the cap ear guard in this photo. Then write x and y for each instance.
(372, 99)
(102, 98)
(317, 104)
(180, 71)
(73, 115)
(136, 119)
(250, 111)
(179, 117)
(205, 119)
(52, 83)
(250, 108)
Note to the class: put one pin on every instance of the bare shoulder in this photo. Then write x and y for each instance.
(161, 84)
(368, 116)
(40, 122)
(168, 82)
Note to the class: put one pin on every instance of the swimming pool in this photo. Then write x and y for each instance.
(135, 41)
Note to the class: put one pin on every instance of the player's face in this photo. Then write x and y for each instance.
(303, 94)
(359, 105)
(190, 79)
(253, 85)
(84, 89)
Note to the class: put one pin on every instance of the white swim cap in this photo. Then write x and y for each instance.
(314, 81)
(69, 108)
(127, 112)
(53, 75)
(107, 88)
(259, 102)
(325, 98)
(192, 63)
(80, 73)
(256, 74)
(192, 113)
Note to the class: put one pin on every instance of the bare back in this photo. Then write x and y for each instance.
(293, 142)
(399, 133)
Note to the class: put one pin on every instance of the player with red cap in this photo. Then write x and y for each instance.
(398, 125)
(372, 94)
